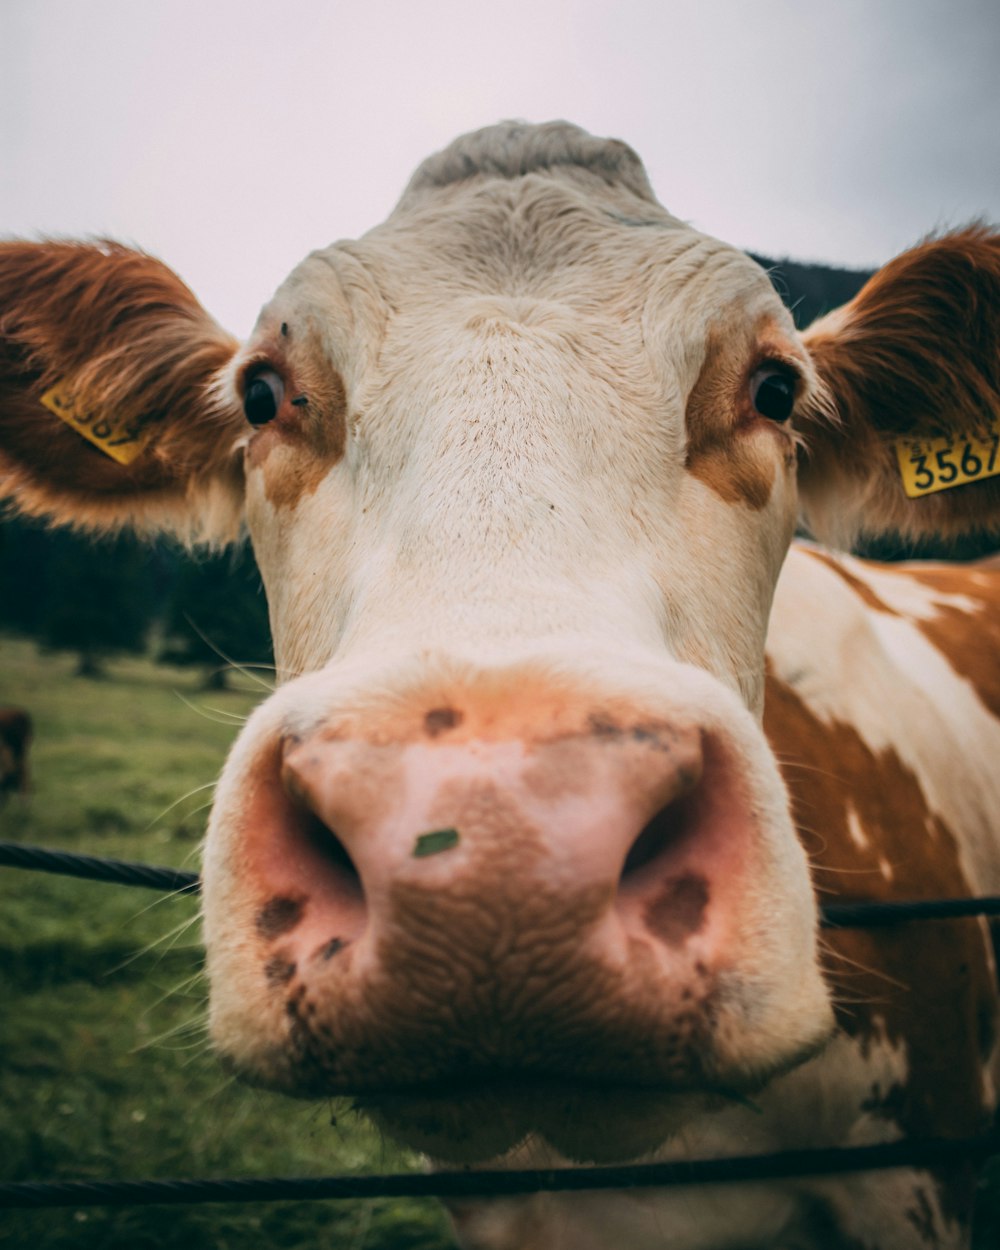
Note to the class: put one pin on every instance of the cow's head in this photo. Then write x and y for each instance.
(520, 468)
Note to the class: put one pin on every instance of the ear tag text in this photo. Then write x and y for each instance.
(932, 464)
(120, 439)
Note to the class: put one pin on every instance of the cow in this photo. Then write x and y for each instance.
(525, 852)
(15, 738)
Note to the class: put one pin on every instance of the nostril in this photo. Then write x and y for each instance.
(312, 895)
(676, 783)
(325, 843)
(318, 845)
(657, 839)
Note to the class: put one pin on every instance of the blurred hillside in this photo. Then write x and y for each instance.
(101, 599)
(812, 290)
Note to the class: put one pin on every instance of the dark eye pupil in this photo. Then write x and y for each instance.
(774, 396)
(260, 404)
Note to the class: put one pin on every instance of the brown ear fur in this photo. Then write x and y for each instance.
(916, 352)
(130, 340)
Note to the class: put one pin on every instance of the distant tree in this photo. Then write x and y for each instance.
(25, 548)
(217, 613)
(812, 290)
(98, 599)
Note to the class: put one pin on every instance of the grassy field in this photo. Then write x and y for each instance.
(105, 1067)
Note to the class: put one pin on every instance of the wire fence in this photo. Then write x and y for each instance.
(936, 1152)
(493, 1183)
(861, 915)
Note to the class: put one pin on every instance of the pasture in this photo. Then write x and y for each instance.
(106, 1069)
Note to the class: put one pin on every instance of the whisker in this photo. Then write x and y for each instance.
(208, 785)
(234, 717)
(239, 668)
(860, 967)
(216, 720)
(197, 1025)
(168, 941)
(846, 872)
(786, 761)
(179, 991)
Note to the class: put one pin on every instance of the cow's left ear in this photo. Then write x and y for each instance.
(113, 410)
(911, 374)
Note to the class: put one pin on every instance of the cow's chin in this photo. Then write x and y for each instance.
(581, 1123)
(488, 1119)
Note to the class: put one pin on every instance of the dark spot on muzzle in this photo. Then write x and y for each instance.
(603, 726)
(278, 915)
(279, 970)
(440, 719)
(329, 949)
(679, 910)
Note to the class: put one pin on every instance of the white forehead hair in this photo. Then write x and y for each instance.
(513, 149)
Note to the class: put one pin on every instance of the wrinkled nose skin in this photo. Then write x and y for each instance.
(437, 918)
(462, 841)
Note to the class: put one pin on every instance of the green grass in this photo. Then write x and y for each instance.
(105, 1069)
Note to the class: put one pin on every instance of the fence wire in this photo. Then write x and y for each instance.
(936, 1152)
(858, 915)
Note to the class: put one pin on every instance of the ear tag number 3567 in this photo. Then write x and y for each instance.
(932, 464)
(119, 439)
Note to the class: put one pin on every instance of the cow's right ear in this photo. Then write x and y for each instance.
(112, 410)
(911, 379)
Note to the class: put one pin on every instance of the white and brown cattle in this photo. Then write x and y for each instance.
(524, 853)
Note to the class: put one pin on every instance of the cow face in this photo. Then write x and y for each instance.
(507, 852)
(508, 387)
(520, 508)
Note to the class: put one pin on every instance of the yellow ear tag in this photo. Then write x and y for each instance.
(931, 464)
(121, 440)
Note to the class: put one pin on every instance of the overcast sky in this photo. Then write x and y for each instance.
(230, 137)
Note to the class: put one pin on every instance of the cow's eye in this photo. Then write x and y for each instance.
(262, 397)
(772, 391)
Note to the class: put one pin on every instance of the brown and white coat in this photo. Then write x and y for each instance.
(524, 853)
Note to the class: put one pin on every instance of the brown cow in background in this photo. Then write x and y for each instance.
(15, 738)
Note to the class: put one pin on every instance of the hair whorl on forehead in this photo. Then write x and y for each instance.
(513, 149)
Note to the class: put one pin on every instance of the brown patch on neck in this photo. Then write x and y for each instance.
(864, 592)
(968, 640)
(926, 987)
(730, 448)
